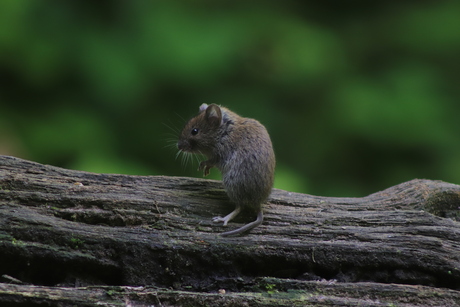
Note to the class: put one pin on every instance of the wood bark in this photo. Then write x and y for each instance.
(73, 238)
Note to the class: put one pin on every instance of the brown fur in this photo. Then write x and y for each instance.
(241, 149)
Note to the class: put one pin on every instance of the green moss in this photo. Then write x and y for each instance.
(18, 242)
(5, 237)
(271, 288)
(76, 243)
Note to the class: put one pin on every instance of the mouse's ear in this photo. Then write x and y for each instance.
(203, 107)
(214, 115)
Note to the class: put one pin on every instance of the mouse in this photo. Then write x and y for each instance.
(241, 149)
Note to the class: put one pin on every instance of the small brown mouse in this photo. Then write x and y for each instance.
(241, 149)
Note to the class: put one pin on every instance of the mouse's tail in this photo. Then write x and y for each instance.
(247, 227)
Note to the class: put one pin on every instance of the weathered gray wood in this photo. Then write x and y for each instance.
(300, 293)
(78, 236)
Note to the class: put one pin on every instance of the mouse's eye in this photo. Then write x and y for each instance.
(195, 131)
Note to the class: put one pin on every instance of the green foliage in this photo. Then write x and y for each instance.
(356, 96)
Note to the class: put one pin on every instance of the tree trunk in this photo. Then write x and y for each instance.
(76, 238)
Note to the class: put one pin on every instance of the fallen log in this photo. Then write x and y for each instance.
(77, 238)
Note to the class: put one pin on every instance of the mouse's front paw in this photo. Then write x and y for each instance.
(204, 167)
(218, 219)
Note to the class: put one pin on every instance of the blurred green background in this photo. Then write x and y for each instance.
(357, 95)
